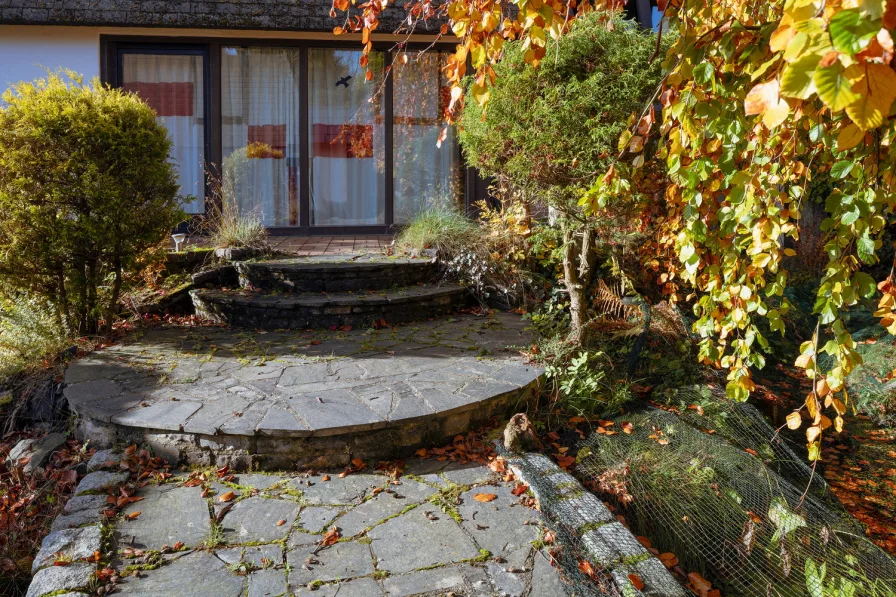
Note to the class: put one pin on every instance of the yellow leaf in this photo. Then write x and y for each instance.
(790, 252)
(762, 97)
(781, 37)
(849, 137)
(776, 115)
(838, 424)
(812, 433)
(794, 420)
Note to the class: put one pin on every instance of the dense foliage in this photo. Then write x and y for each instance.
(86, 187)
(577, 101)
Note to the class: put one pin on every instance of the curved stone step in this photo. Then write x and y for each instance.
(335, 273)
(306, 310)
(300, 398)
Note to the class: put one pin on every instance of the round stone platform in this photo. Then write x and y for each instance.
(283, 399)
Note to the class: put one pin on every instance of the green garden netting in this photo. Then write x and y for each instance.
(716, 487)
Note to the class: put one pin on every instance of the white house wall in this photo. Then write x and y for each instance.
(25, 51)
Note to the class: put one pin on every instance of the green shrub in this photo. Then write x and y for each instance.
(30, 334)
(576, 104)
(86, 186)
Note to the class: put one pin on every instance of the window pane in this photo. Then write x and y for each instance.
(425, 174)
(260, 132)
(347, 143)
(172, 85)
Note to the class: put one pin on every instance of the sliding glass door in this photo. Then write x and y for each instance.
(260, 132)
(298, 135)
(347, 140)
(426, 173)
(173, 84)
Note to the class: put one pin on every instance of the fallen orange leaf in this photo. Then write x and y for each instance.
(668, 559)
(226, 497)
(636, 581)
(485, 497)
(133, 515)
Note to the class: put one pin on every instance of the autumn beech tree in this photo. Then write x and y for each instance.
(758, 98)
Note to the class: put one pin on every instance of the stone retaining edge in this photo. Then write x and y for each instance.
(609, 546)
(76, 534)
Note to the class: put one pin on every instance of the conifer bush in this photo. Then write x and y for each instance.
(86, 188)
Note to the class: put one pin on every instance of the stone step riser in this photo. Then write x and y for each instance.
(280, 452)
(345, 277)
(298, 315)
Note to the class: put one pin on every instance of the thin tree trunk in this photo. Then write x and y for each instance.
(579, 257)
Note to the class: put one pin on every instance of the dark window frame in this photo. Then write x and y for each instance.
(112, 48)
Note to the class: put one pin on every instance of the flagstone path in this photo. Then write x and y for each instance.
(427, 534)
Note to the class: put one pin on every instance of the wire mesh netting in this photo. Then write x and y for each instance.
(718, 489)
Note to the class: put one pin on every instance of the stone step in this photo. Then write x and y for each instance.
(335, 273)
(300, 311)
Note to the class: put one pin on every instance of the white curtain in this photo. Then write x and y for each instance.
(425, 174)
(347, 142)
(173, 86)
(260, 131)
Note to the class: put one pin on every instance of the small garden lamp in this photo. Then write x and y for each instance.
(178, 239)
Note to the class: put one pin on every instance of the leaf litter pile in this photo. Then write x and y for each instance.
(723, 502)
(29, 502)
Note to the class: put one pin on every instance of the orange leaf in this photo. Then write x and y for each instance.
(421, 453)
(325, 478)
(698, 584)
(330, 537)
(751, 451)
(762, 97)
(587, 568)
(643, 541)
(636, 581)
(669, 559)
(226, 497)
(485, 497)
(133, 515)
(178, 546)
(519, 489)
(358, 463)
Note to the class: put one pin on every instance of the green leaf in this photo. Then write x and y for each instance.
(865, 247)
(842, 169)
(797, 78)
(849, 217)
(851, 31)
(703, 72)
(865, 284)
(833, 87)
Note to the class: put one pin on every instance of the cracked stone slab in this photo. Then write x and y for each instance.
(316, 518)
(440, 580)
(60, 578)
(336, 491)
(267, 583)
(373, 512)
(258, 520)
(503, 513)
(412, 541)
(100, 482)
(210, 577)
(167, 515)
(344, 560)
(69, 545)
(260, 556)
(362, 587)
